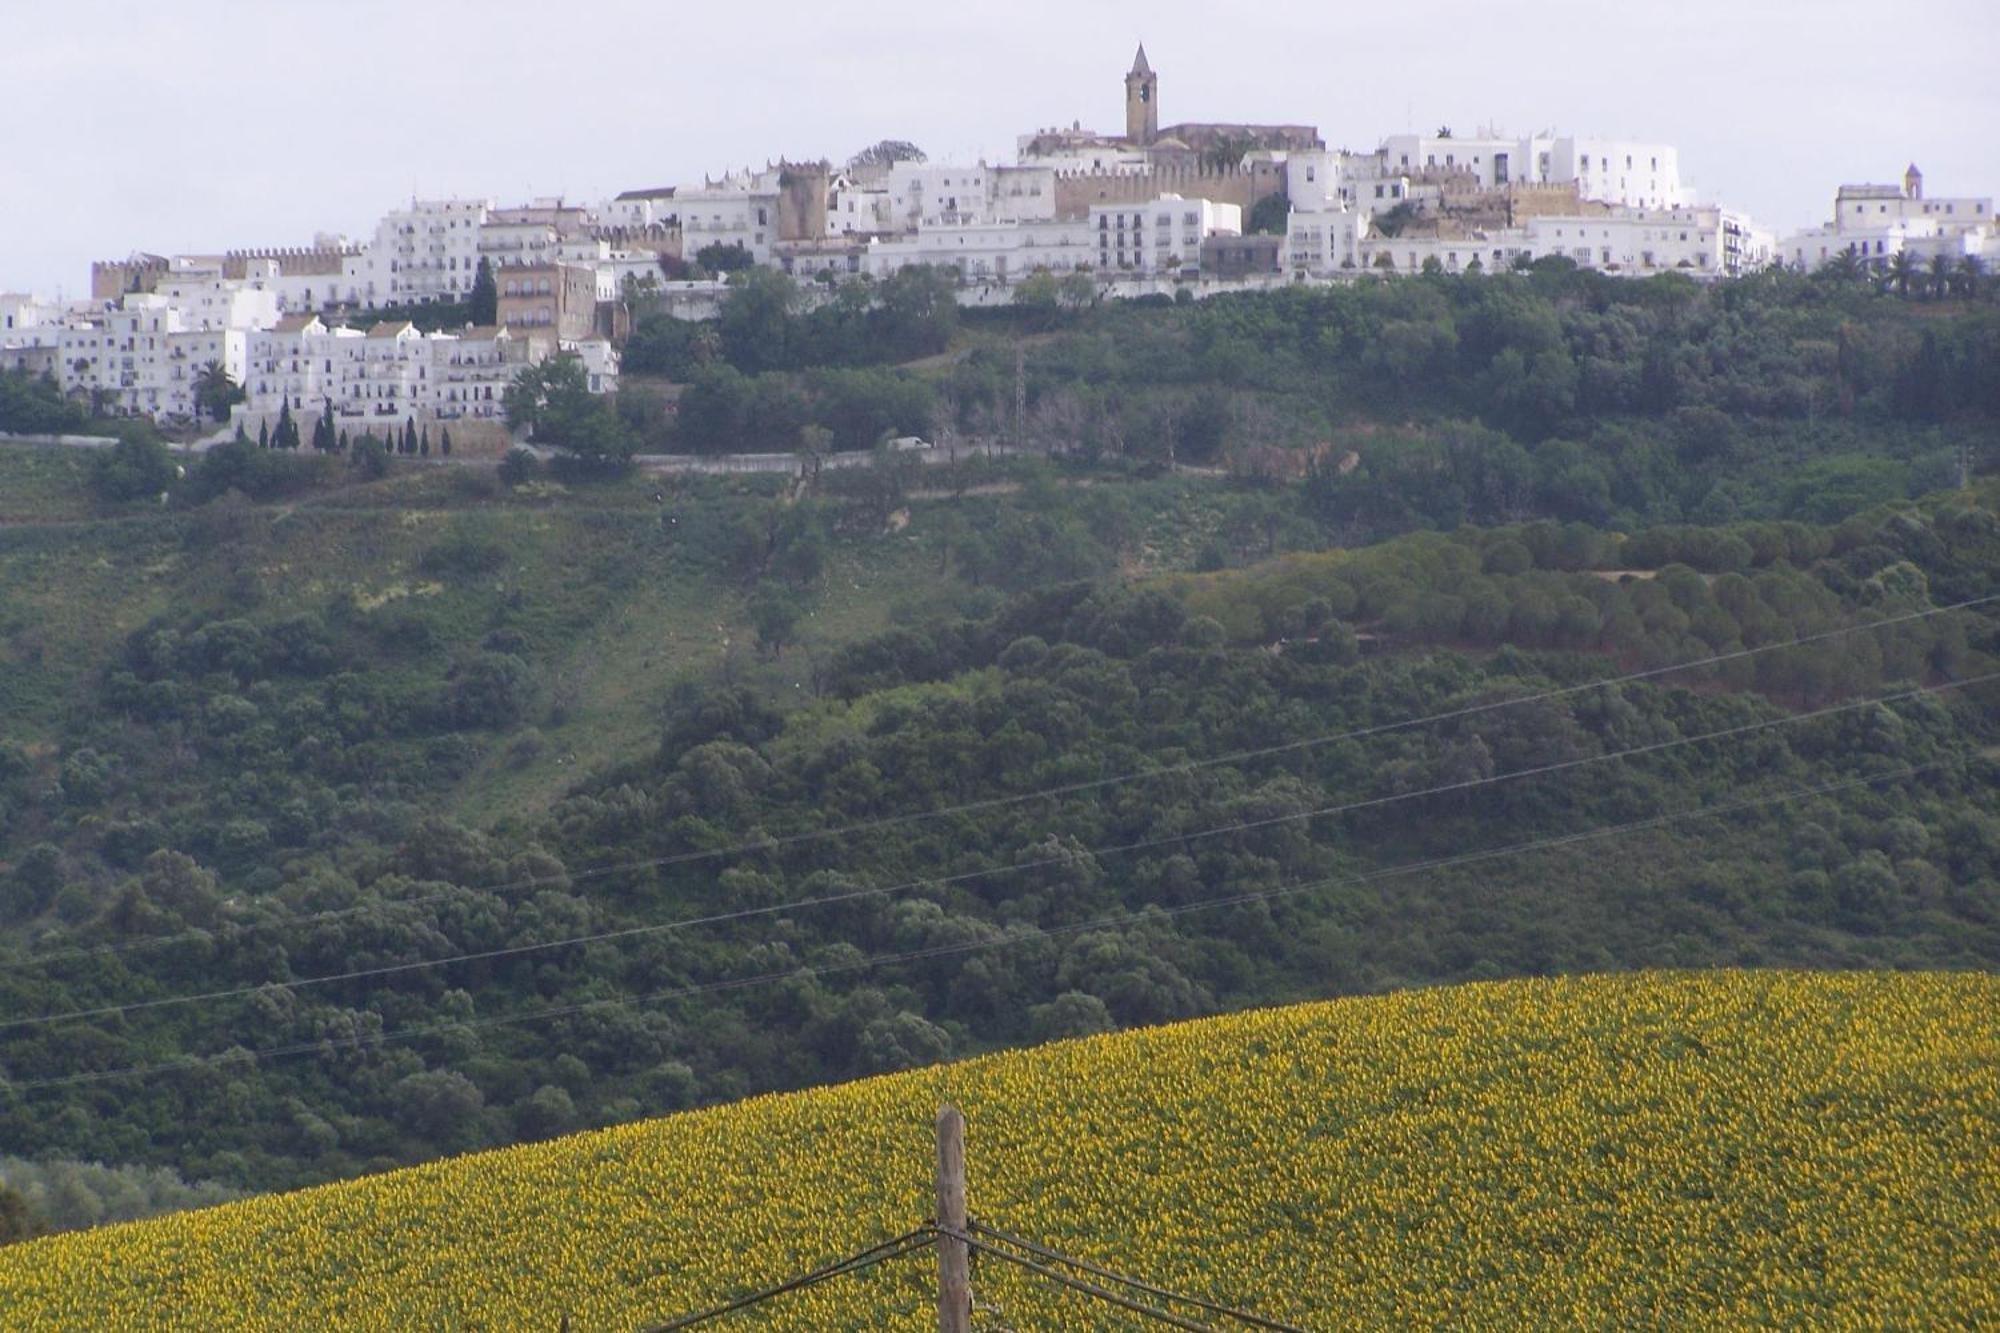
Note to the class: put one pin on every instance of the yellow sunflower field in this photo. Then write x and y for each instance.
(1725, 1149)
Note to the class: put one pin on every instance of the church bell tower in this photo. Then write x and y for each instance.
(1142, 101)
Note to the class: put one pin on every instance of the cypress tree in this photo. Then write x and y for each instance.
(444, 441)
(263, 435)
(484, 303)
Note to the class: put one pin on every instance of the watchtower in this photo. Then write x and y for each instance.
(1142, 101)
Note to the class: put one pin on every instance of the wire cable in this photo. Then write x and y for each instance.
(814, 971)
(768, 843)
(1057, 1256)
(922, 1238)
(641, 931)
(1091, 1289)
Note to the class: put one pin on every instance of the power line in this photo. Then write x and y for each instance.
(769, 844)
(1150, 912)
(635, 932)
(1091, 1289)
(921, 1238)
(1084, 1265)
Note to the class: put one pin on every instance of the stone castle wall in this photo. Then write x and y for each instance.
(1244, 186)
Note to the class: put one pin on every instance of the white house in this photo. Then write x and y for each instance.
(1636, 242)
(426, 252)
(1613, 171)
(1161, 237)
(994, 252)
(639, 209)
(740, 209)
(141, 358)
(1874, 223)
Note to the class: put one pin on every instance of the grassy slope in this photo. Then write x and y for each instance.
(1720, 1148)
(615, 612)
(618, 606)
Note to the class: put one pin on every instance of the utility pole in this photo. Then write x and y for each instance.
(954, 1264)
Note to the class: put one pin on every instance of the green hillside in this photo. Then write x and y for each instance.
(377, 760)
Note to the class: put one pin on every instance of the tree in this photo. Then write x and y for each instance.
(1940, 277)
(720, 258)
(774, 613)
(18, 1220)
(286, 436)
(444, 441)
(370, 458)
(1077, 291)
(1904, 272)
(263, 435)
(553, 402)
(484, 303)
(214, 392)
(1269, 216)
(519, 466)
(1971, 276)
(886, 153)
(1038, 296)
(917, 310)
(132, 470)
(758, 323)
(410, 436)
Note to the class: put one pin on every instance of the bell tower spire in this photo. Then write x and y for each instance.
(1142, 101)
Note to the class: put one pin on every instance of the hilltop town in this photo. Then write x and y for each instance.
(429, 319)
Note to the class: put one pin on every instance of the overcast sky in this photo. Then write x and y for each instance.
(212, 124)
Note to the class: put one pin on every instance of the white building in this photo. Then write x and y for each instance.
(195, 286)
(1161, 237)
(1635, 242)
(21, 312)
(535, 233)
(913, 196)
(141, 358)
(380, 377)
(740, 209)
(1875, 223)
(655, 207)
(298, 363)
(426, 252)
(1612, 171)
(995, 252)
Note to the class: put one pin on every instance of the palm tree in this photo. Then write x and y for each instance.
(1971, 276)
(1904, 272)
(214, 391)
(1941, 267)
(1844, 267)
